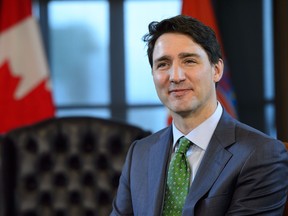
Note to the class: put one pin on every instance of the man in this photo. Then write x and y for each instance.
(233, 169)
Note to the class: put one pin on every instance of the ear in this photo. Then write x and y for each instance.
(218, 70)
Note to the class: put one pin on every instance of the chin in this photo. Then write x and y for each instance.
(184, 110)
(180, 110)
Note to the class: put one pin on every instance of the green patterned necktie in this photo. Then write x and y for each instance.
(178, 181)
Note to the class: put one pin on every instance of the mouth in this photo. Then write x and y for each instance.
(179, 92)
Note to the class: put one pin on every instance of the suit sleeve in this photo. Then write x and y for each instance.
(262, 183)
(122, 203)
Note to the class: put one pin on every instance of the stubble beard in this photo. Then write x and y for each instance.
(189, 109)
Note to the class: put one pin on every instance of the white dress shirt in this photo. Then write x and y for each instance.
(200, 137)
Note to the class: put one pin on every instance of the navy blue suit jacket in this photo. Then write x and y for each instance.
(243, 172)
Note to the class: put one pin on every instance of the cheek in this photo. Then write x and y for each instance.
(209, 76)
(159, 80)
(204, 81)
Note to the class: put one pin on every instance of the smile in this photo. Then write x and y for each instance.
(179, 92)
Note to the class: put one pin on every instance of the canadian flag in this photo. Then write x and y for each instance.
(25, 95)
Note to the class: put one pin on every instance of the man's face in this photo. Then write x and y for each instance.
(183, 75)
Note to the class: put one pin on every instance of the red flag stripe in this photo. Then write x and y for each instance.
(11, 12)
(201, 10)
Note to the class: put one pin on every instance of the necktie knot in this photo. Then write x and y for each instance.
(184, 145)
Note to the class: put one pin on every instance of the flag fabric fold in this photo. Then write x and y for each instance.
(25, 92)
(203, 10)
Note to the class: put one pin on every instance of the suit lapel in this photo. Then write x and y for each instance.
(214, 160)
(158, 162)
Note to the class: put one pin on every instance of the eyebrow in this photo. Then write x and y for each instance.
(181, 56)
(184, 55)
(162, 58)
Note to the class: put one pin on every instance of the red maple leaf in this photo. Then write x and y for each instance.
(34, 107)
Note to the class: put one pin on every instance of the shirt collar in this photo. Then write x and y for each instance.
(202, 134)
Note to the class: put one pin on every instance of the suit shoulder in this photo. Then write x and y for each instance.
(154, 137)
(232, 131)
(256, 138)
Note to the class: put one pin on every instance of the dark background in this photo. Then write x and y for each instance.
(240, 24)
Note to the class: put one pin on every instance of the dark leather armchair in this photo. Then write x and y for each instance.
(64, 166)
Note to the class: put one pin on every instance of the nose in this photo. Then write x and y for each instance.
(177, 74)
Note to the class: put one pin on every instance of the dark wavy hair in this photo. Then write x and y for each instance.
(201, 34)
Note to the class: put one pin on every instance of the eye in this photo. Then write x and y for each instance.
(189, 61)
(161, 65)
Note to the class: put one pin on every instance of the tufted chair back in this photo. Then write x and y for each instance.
(64, 166)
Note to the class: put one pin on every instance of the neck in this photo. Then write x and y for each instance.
(186, 123)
